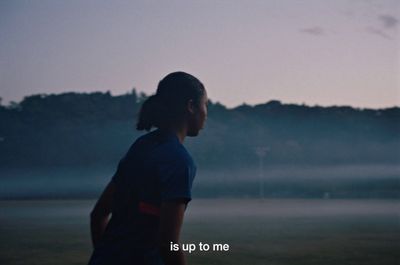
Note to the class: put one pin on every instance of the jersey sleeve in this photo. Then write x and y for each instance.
(176, 181)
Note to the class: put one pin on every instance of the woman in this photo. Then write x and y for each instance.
(148, 194)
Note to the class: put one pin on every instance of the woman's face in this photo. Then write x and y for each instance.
(198, 116)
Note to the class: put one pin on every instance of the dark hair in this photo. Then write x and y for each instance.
(168, 105)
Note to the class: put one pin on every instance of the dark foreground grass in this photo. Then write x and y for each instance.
(297, 232)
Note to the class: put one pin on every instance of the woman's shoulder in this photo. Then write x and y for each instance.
(161, 147)
(176, 151)
(171, 149)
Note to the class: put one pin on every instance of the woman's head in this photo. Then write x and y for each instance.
(180, 100)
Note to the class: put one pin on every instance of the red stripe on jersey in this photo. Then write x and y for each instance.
(147, 208)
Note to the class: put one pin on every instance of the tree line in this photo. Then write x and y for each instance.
(91, 129)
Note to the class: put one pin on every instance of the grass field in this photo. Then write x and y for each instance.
(297, 232)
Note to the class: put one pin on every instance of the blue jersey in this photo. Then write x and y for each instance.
(156, 168)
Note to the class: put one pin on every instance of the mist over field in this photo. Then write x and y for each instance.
(355, 181)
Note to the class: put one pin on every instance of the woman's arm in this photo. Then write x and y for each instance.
(100, 213)
(171, 219)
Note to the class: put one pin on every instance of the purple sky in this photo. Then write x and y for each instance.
(315, 52)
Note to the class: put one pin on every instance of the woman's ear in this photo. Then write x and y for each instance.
(190, 106)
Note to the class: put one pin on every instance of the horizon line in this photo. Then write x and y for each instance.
(138, 92)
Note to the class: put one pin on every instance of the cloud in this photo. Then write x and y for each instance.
(379, 32)
(316, 31)
(388, 21)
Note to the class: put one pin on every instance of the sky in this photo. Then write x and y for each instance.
(310, 52)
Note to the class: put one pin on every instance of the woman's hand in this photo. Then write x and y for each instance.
(100, 214)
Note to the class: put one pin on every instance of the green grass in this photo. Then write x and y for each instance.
(259, 232)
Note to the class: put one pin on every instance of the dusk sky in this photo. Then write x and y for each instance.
(317, 52)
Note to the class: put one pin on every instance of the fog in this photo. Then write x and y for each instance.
(281, 181)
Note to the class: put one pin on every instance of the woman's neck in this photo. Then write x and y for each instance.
(179, 131)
